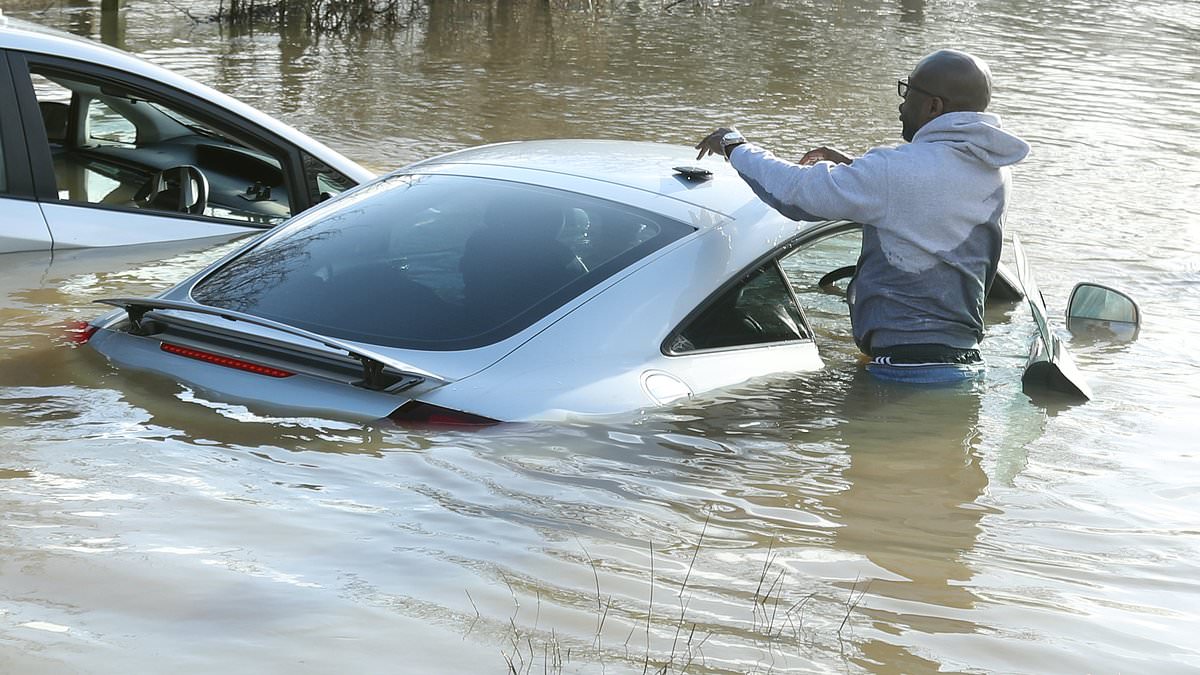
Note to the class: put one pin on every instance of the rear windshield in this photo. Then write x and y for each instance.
(438, 262)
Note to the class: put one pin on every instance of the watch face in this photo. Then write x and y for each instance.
(732, 137)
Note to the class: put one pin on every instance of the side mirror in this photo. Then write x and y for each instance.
(1100, 311)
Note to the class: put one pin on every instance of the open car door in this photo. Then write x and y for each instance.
(1092, 306)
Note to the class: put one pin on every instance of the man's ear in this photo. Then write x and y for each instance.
(936, 106)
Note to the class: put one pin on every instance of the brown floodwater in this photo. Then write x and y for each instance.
(815, 523)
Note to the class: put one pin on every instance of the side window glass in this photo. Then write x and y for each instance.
(323, 181)
(106, 127)
(820, 273)
(760, 310)
(129, 150)
(599, 235)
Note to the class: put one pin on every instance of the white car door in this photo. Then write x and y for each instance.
(22, 227)
(117, 159)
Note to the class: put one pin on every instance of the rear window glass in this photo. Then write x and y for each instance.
(437, 262)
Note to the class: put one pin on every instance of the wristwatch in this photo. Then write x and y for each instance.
(730, 140)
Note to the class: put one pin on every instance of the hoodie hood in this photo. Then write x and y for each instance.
(977, 133)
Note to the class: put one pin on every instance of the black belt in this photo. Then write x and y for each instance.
(926, 353)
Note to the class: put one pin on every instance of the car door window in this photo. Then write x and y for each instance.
(819, 272)
(122, 148)
(759, 310)
(107, 127)
(323, 180)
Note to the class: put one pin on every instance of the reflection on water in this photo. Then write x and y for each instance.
(804, 524)
(934, 478)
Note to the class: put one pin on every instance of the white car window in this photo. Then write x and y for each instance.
(106, 127)
(127, 150)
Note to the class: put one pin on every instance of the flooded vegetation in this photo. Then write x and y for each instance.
(803, 524)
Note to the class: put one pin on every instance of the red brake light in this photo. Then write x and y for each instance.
(80, 332)
(415, 412)
(226, 361)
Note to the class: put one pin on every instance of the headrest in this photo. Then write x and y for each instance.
(55, 116)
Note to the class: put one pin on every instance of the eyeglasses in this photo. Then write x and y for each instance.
(902, 87)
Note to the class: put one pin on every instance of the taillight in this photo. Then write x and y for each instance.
(80, 332)
(416, 412)
(227, 361)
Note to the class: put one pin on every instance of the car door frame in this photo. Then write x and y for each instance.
(41, 168)
(22, 225)
(772, 257)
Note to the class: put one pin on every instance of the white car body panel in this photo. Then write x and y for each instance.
(78, 225)
(671, 206)
(22, 226)
(603, 168)
(542, 382)
(316, 395)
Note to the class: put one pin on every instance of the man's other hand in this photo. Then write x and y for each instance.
(824, 154)
(711, 145)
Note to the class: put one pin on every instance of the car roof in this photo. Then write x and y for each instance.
(25, 36)
(640, 165)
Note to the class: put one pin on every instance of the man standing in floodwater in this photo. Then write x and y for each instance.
(932, 212)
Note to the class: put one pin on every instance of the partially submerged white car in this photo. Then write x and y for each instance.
(520, 281)
(101, 148)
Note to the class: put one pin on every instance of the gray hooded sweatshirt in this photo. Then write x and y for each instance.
(933, 213)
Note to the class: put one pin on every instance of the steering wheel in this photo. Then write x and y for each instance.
(180, 188)
(827, 282)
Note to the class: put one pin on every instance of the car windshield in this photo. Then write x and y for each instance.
(437, 262)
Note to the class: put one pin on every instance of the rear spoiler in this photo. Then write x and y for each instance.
(373, 363)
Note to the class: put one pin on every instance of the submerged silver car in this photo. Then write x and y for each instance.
(519, 281)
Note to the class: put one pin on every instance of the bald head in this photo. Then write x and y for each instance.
(963, 81)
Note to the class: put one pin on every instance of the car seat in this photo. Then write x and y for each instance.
(55, 117)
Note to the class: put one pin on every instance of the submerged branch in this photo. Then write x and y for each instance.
(320, 16)
(334, 16)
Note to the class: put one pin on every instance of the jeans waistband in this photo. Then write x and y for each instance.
(925, 353)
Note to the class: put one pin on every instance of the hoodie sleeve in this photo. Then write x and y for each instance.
(823, 191)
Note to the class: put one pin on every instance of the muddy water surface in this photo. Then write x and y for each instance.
(804, 524)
